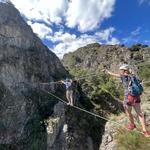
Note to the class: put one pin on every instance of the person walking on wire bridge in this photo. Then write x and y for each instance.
(132, 91)
(70, 88)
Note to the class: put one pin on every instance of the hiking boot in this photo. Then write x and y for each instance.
(146, 133)
(131, 126)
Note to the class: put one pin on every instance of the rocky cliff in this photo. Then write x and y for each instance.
(94, 58)
(31, 119)
(24, 63)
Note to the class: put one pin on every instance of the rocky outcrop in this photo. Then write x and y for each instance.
(96, 57)
(111, 128)
(70, 129)
(30, 119)
(24, 63)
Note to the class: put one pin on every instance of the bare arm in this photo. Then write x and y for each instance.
(113, 74)
(62, 81)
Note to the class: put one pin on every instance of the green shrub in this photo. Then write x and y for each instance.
(137, 56)
(144, 71)
(100, 90)
(73, 60)
(137, 47)
(132, 140)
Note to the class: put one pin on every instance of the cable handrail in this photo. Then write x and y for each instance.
(88, 112)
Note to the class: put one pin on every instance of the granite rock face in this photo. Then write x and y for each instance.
(30, 119)
(69, 129)
(24, 63)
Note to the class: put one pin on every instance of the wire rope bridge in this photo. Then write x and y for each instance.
(79, 108)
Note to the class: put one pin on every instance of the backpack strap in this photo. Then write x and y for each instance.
(130, 81)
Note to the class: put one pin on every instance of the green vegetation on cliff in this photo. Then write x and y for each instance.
(132, 140)
(100, 93)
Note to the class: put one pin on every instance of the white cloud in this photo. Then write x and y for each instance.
(113, 41)
(105, 34)
(62, 37)
(69, 42)
(144, 1)
(134, 35)
(40, 29)
(49, 11)
(65, 47)
(136, 31)
(86, 15)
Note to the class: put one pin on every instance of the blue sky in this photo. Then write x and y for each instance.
(65, 25)
(132, 21)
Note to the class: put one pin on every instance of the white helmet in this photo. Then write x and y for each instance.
(124, 67)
